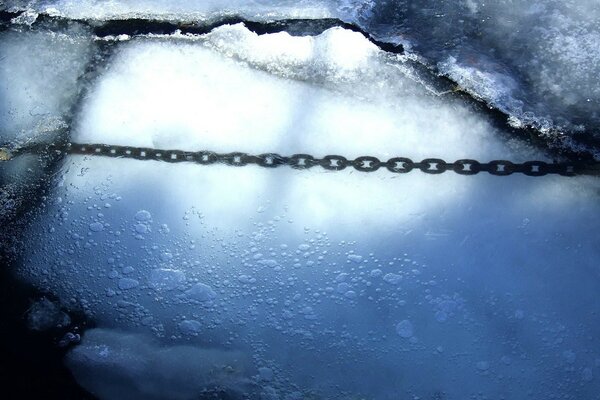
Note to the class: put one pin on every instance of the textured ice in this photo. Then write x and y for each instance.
(135, 366)
(264, 264)
(39, 87)
(537, 62)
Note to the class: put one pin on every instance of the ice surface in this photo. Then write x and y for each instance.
(537, 62)
(342, 284)
(180, 9)
(134, 366)
(39, 87)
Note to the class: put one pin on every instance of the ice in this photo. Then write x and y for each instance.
(45, 314)
(535, 62)
(120, 365)
(338, 271)
(39, 87)
(179, 9)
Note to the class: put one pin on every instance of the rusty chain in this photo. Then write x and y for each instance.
(304, 161)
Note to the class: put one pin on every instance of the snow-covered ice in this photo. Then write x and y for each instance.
(536, 62)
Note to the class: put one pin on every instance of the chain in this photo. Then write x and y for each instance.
(399, 165)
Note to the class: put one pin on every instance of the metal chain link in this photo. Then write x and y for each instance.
(398, 165)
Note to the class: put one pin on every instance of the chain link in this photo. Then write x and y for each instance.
(397, 165)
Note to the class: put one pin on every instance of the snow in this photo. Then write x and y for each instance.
(412, 285)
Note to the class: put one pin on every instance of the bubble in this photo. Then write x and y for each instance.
(343, 287)
(143, 216)
(355, 258)
(141, 228)
(393, 279)
(190, 327)
(246, 279)
(483, 366)
(441, 316)
(201, 292)
(166, 256)
(166, 279)
(96, 227)
(265, 374)
(569, 356)
(405, 329)
(127, 283)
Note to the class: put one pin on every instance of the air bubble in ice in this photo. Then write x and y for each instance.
(141, 228)
(376, 272)
(201, 292)
(96, 226)
(343, 287)
(441, 316)
(166, 279)
(355, 258)
(127, 283)
(190, 327)
(143, 216)
(405, 329)
(265, 374)
(569, 356)
(392, 278)
(483, 366)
